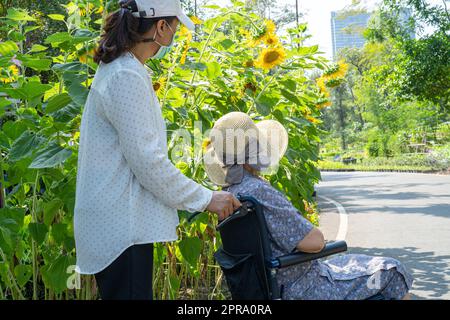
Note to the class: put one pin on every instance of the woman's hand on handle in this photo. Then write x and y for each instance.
(223, 204)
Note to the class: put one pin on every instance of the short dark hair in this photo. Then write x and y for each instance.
(122, 31)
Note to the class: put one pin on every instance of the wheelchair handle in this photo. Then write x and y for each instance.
(240, 212)
(236, 214)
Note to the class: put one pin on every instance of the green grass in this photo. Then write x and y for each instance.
(339, 166)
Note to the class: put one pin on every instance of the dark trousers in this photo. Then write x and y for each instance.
(129, 277)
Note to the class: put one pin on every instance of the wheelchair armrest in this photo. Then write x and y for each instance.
(300, 257)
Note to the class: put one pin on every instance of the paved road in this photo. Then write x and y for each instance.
(402, 215)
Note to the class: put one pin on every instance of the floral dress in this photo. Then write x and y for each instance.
(344, 277)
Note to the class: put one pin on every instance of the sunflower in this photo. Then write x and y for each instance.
(234, 99)
(324, 104)
(249, 86)
(270, 26)
(306, 111)
(196, 20)
(312, 119)
(271, 57)
(271, 39)
(322, 86)
(268, 32)
(205, 144)
(14, 70)
(308, 207)
(84, 57)
(337, 71)
(249, 63)
(159, 85)
(253, 42)
(245, 33)
(185, 32)
(11, 74)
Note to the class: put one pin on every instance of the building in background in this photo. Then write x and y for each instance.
(347, 29)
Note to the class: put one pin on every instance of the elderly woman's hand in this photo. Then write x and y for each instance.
(223, 204)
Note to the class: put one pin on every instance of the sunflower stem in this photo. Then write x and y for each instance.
(265, 87)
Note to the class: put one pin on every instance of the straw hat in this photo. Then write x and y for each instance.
(236, 140)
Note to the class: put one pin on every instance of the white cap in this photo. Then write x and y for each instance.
(162, 8)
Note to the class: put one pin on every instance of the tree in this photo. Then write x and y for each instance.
(422, 67)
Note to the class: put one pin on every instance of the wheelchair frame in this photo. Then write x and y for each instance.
(253, 210)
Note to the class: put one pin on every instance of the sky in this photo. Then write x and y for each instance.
(317, 15)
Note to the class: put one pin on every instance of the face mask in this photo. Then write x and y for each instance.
(163, 50)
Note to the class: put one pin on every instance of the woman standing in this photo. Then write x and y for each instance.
(128, 191)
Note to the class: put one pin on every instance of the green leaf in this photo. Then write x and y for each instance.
(226, 44)
(4, 103)
(289, 84)
(69, 67)
(38, 231)
(78, 93)
(37, 48)
(5, 235)
(82, 35)
(11, 220)
(16, 214)
(57, 102)
(4, 274)
(51, 209)
(56, 17)
(23, 274)
(67, 113)
(58, 38)
(25, 145)
(213, 70)
(307, 50)
(175, 283)
(190, 249)
(50, 157)
(265, 104)
(194, 66)
(59, 232)
(278, 115)
(16, 36)
(56, 273)
(212, 6)
(13, 129)
(290, 96)
(39, 64)
(28, 91)
(30, 28)
(19, 15)
(8, 47)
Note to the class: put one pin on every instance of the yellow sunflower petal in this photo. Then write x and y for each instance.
(196, 20)
(271, 57)
(270, 26)
(271, 39)
(14, 69)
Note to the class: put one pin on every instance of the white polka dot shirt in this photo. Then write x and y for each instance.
(127, 189)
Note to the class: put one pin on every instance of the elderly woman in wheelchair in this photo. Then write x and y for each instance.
(269, 250)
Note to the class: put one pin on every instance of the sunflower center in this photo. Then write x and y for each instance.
(271, 56)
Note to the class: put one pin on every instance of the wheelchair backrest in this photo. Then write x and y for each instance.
(245, 252)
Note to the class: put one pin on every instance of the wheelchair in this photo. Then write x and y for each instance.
(245, 255)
